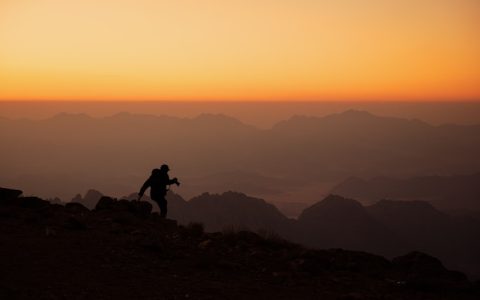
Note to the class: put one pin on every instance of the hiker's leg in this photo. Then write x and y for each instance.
(163, 207)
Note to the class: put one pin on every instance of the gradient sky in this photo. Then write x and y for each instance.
(240, 50)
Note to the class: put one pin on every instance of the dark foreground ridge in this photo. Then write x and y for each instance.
(120, 250)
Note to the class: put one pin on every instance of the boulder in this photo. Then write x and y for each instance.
(8, 195)
(73, 223)
(419, 263)
(423, 271)
(33, 202)
(76, 208)
(105, 203)
(138, 208)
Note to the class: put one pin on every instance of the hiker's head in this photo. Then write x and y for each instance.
(164, 168)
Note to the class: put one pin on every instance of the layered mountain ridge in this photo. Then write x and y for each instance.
(295, 158)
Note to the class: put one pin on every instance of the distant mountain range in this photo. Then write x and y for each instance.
(459, 193)
(297, 158)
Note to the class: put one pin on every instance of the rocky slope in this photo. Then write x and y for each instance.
(388, 228)
(120, 250)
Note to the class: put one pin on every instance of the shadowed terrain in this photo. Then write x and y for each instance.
(120, 250)
(389, 228)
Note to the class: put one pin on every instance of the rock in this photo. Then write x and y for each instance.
(33, 202)
(140, 208)
(75, 224)
(195, 229)
(50, 231)
(423, 271)
(419, 263)
(76, 208)
(352, 296)
(204, 244)
(7, 195)
(105, 203)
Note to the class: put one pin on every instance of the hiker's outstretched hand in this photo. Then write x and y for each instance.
(175, 180)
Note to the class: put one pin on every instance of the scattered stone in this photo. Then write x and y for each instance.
(76, 208)
(139, 208)
(195, 229)
(50, 231)
(73, 223)
(204, 244)
(33, 202)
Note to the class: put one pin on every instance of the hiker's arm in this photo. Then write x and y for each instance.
(144, 187)
(173, 181)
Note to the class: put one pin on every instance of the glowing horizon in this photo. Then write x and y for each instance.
(413, 50)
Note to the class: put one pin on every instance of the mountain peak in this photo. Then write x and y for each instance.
(216, 118)
(353, 115)
(64, 116)
(356, 113)
(405, 209)
(333, 206)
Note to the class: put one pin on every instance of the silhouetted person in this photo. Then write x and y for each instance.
(158, 183)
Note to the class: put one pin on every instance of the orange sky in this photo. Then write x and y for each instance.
(240, 50)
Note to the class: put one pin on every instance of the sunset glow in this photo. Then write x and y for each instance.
(239, 50)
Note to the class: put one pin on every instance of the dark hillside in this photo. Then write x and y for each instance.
(120, 250)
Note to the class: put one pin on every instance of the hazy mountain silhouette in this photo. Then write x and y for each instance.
(422, 227)
(303, 154)
(337, 222)
(238, 180)
(357, 142)
(136, 254)
(236, 210)
(452, 193)
(89, 200)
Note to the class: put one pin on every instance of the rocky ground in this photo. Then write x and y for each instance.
(120, 250)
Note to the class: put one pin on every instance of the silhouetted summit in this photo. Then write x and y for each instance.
(333, 207)
(337, 222)
(214, 120)
(89, 200)
(405, 210)
(232, 209)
